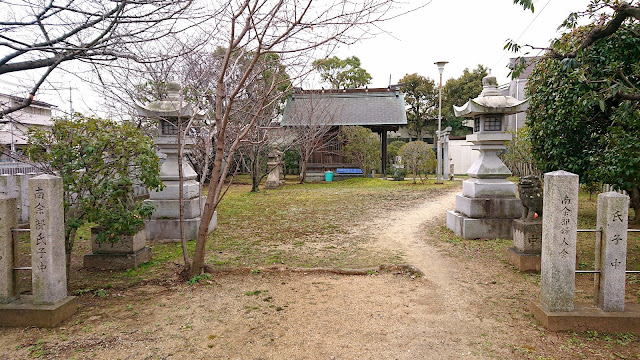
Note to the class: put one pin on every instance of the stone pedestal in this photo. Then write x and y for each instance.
(527, 241)
(164, 225)
(127, 253)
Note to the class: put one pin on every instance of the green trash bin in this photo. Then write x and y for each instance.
(328, 176)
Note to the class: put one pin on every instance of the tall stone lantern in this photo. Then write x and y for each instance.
(164, 225)
(488, 204)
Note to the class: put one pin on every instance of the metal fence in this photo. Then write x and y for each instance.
(12, 168)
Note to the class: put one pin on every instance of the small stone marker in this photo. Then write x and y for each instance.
(559, 233)
(48, 275)
(611, 251)
(8, 221)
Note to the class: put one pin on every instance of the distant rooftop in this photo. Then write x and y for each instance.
(365, 107)
(33, 102)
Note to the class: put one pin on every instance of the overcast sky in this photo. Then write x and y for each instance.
(463, 32)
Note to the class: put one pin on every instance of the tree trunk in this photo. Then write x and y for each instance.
(68, 247)
(209, 205)
(183, 241)
(303, 171)
(634, 194)
(255, 171)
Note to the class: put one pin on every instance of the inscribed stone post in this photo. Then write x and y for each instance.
(7, 222)
(559, 233)
(611, 251)
(48, 274)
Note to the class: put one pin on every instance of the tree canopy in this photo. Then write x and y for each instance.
(98, 161)
(362, 147)
(346, 73)
(421, 96)
(418, 157)
(458, 91)
(578, 120)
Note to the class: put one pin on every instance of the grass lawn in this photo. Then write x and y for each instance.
(299, 225)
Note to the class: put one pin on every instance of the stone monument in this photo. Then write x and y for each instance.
(49, 303)
(164, 225)
(488, 203)
(556, 308)
(527, 231)
(275, 175)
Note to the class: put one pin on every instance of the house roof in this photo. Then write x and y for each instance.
(365, 107)
(37, 103)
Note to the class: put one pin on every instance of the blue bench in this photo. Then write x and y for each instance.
(344, 171)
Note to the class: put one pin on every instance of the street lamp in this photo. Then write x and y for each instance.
(440, 65)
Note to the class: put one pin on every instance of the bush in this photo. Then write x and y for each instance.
(418, 157)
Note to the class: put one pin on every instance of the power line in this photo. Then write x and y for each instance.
(523, 31)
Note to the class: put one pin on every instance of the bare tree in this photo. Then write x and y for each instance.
(36, 37)
(293, 30)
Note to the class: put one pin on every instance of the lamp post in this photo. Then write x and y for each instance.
(440, 65)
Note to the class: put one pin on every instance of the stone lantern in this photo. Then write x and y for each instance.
(164, 225)
(488, 204)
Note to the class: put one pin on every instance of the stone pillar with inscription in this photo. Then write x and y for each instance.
(8, 221)
(559, 234)
(49, 304)
(48, 274)
(611, 251)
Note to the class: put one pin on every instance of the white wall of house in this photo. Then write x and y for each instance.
(14, 126)
(462, 155)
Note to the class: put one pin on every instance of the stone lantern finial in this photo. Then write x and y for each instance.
(173, 91)
(490, 86)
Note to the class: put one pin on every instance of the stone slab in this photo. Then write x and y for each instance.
(118, 261)
(190, 190)
(23, 312)
(507, 208)
(126, 245)
(527, 236)
(171, 208)
(485, 188)
(588, 317)
(168, 230)
(469, 228)
(522, 261)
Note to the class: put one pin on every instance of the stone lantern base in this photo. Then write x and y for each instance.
(168, 230)
(486, 209)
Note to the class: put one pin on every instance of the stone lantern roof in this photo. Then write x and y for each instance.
(491, 102)
(171, 107)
